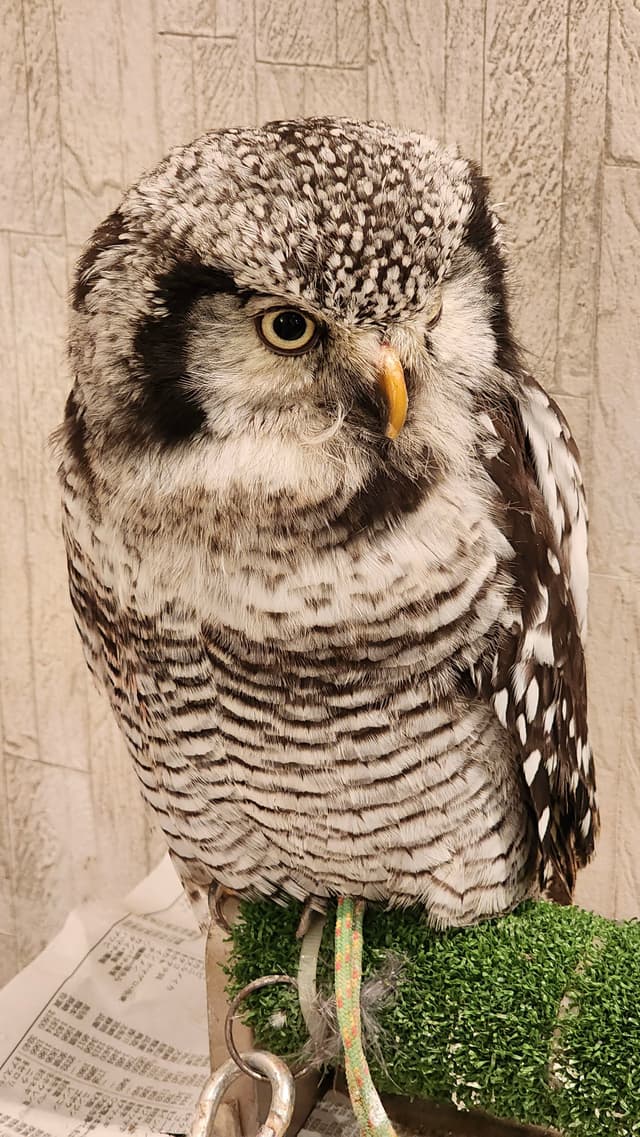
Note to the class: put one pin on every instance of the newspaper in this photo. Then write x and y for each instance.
(106, 1030)
(332, 1117)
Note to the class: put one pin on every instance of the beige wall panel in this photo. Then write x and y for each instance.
(7, 914)
(176, 96)
(615, 479)
(299, 31)
(188, 17)
(119, 816)
(38, 274)
(224, 84)
(581, 195)
(140, 136)
(54, 848)
(7, 922)
(279, 91)
(352, 32)
(17, 684)
(16, 185)
(611, 604)
(8, 958)
(464, 76)
(627, 878)
(231, 17)
(522, 149)
(624, 88)
(335, 91)
(44, 116)
(18, 726)
(90, 108)
(406, 64)
(7, 882)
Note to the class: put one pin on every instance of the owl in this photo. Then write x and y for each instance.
(326, 537)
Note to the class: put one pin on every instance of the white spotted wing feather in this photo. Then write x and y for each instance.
(537, 677)
(557, 468)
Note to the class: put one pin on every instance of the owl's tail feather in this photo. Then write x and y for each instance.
(368, 1108)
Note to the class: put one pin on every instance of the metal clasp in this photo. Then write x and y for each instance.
(282, 1093)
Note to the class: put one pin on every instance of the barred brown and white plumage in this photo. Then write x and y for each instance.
(343, 662)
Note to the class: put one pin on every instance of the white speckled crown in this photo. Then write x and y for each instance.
(354, 217)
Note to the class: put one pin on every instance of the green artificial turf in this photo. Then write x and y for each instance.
(535, 1016)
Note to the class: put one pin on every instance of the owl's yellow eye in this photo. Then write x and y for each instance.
(287, 331)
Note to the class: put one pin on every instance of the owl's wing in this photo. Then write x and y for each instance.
(536, 679)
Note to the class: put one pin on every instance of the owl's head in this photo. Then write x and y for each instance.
(302, 313)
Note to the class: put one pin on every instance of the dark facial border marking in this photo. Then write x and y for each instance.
(169, 410)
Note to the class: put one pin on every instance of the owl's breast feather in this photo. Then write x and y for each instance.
(306, 731)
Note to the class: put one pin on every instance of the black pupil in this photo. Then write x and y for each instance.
(289, 326)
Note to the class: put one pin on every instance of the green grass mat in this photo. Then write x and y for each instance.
(534, 1017)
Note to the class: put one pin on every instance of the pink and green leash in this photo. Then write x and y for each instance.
(365, 1100)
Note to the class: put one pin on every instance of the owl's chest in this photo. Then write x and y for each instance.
(320, 708)
(318, 767)
(308, 626)
(306, 673)
(324, 591)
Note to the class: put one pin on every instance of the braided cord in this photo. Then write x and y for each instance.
(368, 1108)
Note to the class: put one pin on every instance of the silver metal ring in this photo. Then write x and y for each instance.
(274, 1070)
(255, 985)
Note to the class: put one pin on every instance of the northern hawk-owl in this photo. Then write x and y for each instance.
(326, 537)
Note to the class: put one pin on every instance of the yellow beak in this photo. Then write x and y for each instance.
(393, 387)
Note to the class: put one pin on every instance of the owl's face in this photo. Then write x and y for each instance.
(300, 314)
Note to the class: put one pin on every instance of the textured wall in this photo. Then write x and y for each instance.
(545, 93)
